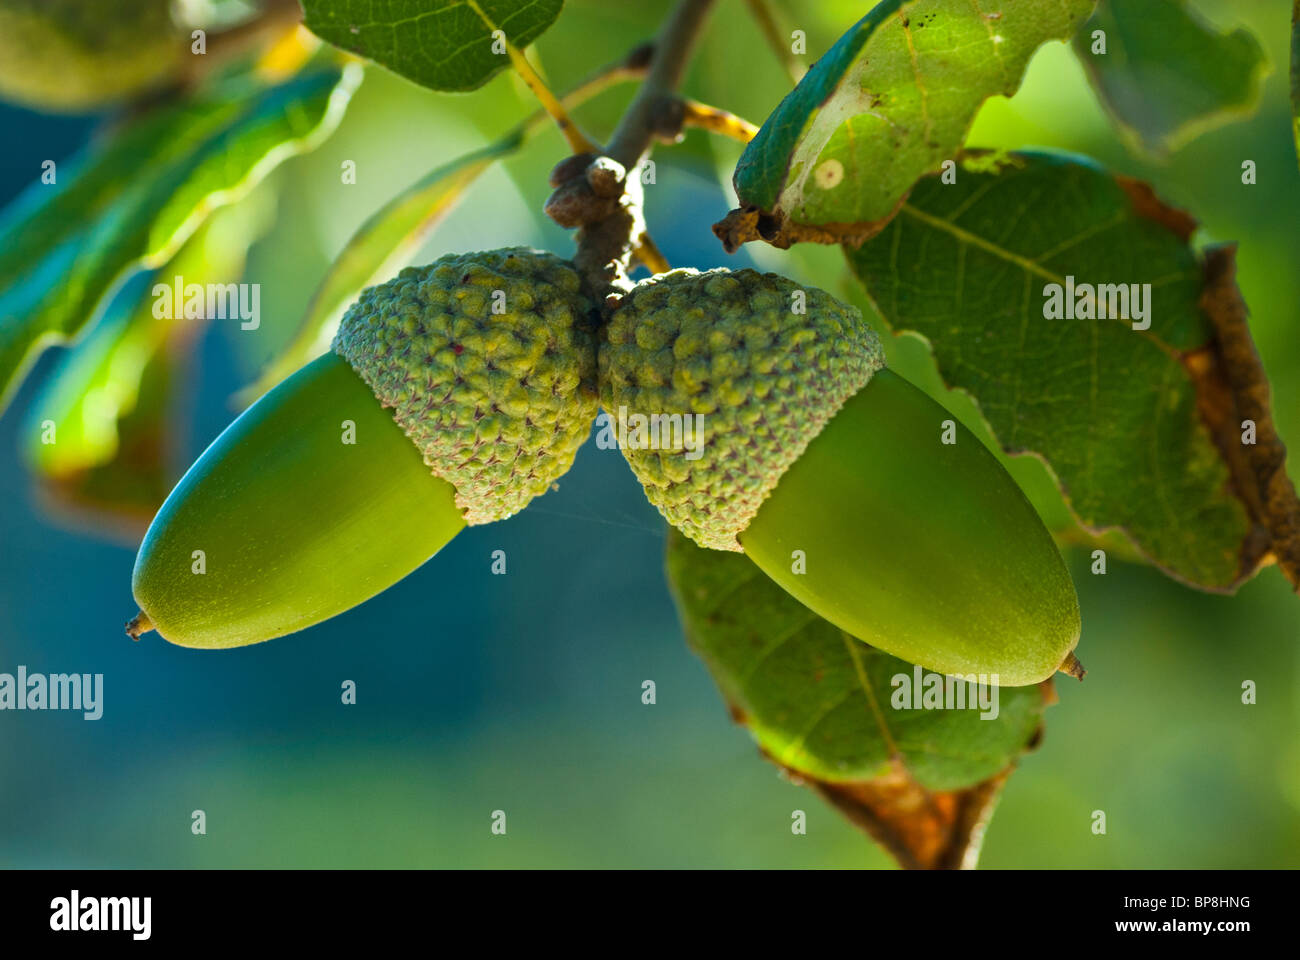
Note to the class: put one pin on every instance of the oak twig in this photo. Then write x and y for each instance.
(601, 194)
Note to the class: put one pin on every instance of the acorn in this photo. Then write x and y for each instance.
(759, 417)
(76, 55)
(454, 394)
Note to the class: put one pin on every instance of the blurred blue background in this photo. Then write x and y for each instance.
(523, 692)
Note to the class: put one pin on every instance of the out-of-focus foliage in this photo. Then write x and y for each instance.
(1295, 70)
(1165, 75)
(131, 202)
(80, 55)
(100, 436)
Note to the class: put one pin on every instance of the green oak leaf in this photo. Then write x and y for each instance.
(889, 102)
(1141, 426)
(840, 715)
(130, 203)
(1166, 76)
(440, 44)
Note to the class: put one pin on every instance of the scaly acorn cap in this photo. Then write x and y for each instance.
(488, 362)
(768, 363)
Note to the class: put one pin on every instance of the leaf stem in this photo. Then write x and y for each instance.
(578, 141)
(647, 251)
(763, 16)
(714, 120)
(631, 67)
(276, 20)
(287, 54)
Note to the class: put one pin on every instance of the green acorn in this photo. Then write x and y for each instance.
(77, 55)
(829, 472)
(455, 393)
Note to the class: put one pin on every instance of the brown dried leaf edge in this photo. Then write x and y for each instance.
(921, 829)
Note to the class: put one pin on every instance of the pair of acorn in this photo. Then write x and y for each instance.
(457, 392)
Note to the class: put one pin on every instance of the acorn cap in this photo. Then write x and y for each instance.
(766, 362)
(488, 362)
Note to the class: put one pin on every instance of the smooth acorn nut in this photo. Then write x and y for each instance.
(454, 394)
(829, 472)
(74, 55)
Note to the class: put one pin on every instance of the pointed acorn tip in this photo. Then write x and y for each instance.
(139, 624)
(1071, 666)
